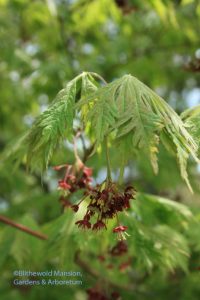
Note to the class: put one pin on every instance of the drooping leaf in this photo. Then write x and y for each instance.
(127, 106)
(163, 208)
(54, 124)
(123, 107)
(191, 118)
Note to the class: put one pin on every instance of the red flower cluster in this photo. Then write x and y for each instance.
(72, 181)
(84, 223)
(96, 294)
(105, 202)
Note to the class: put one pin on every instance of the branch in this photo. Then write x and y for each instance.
(23, 228)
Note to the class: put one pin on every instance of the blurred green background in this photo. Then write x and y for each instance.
(44, 44)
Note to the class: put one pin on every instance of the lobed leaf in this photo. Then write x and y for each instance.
(128, 107)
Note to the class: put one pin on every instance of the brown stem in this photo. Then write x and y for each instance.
(23, 228)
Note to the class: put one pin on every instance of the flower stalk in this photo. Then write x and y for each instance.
(109, 178)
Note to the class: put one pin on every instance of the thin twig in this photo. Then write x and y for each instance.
(23, 228)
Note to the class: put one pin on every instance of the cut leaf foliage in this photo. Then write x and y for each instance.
(128, 107)
(123, 108)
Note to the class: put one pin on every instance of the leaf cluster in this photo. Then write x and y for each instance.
(125, 109)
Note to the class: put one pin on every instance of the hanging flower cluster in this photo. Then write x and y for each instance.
(106, 201)
(75, 178)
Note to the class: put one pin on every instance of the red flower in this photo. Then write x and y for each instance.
(64, 185)
(120, 228)
(99, 225)
(87, 171)
(83, 223)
